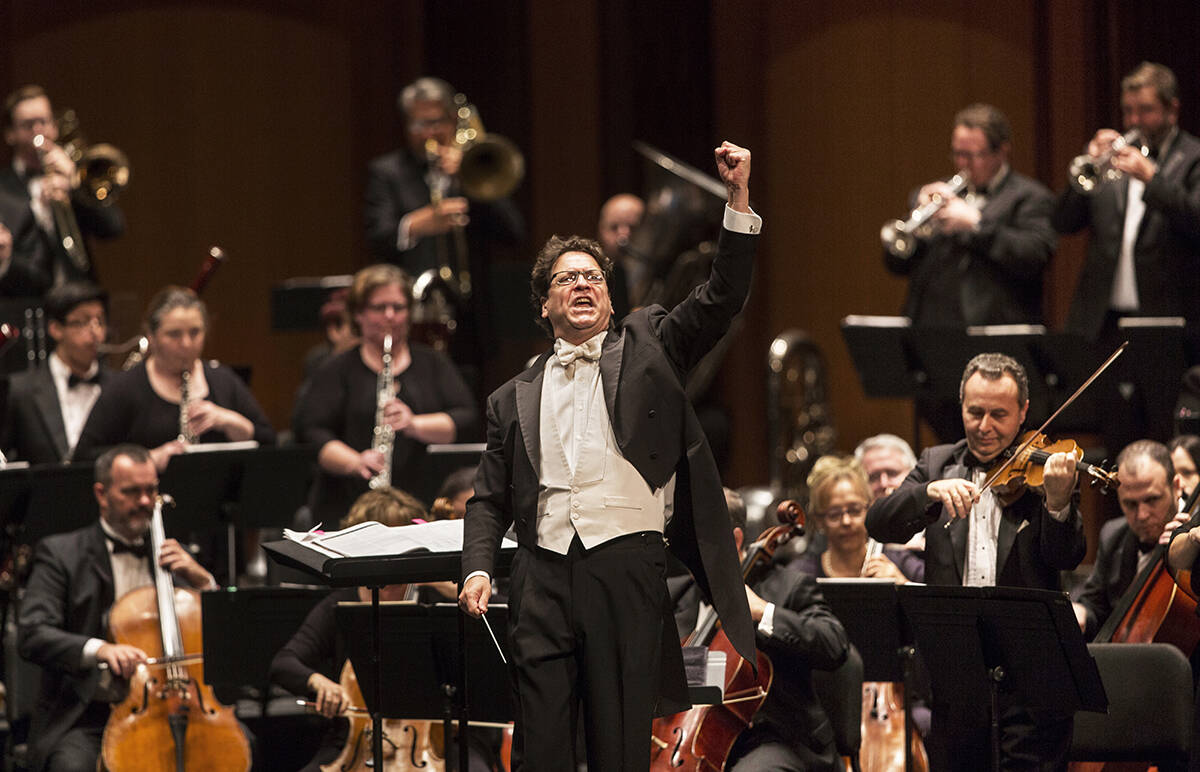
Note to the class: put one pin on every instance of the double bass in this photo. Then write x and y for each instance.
(170, 719)
(699, 740)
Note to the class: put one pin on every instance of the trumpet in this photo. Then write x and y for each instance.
(1089, 172)
(899, 237)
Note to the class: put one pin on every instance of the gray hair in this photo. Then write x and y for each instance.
(426, 90)
(994, 366)
(889, 441)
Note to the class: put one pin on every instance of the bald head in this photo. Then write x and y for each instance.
(618, 217)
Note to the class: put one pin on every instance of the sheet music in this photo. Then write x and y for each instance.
(373, 539)
(208, 447)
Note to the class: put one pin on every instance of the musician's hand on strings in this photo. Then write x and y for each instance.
(331, 699)
(122, 659)
(956, 496)
(174, 558)
(758, 606)
(733, 164)
(1058, 480)
(881, 567)
(436, 219)
(1168, 529)
(475, 595)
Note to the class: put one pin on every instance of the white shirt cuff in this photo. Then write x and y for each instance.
(473, 574)
(87, 657)
(403, 239)
(740, 222)
(1060, 514)
(766, 625)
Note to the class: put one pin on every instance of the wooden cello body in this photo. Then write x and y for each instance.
(170, 720)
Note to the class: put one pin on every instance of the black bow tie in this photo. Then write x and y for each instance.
(137, 550)
(74, 380)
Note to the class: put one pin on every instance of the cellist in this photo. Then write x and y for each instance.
(76, 578)
(1148, 496)
(798, 631)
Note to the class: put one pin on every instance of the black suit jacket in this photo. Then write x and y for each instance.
(1032, 546)
(1115, 569)
(38, 259)
(33, 428)
(396, 186)
(1167, 250)
(66, 602)
(643, 366)
(990, 276)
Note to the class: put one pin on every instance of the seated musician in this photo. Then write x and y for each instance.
(1185, 451)
(1148, 495)
(838, 499)
(887, 460)
(76, 578)
(310, 663)
(143, 405)
(47, 407)
(451, 501)
(1013, 538)
(430, 402)
(796, 629)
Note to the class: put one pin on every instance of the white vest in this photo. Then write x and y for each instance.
(597, 494)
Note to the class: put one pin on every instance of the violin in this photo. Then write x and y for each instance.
(170, 719)
(701, 738)
(1022, 466)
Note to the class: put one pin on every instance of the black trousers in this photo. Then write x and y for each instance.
(961, 739)
(589, 628)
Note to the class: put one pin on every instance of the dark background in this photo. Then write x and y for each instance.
(249, 125)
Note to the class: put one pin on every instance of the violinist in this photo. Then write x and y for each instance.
(310, 663)
(1016, 538)
(1148, 495)
(799, 632)
(75, 580)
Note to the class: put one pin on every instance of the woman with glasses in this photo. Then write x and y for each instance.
(142, 405)
(431, 402)
(839, 497)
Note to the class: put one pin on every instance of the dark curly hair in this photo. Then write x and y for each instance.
(543, 265)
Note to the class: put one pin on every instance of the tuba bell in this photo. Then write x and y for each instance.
(491, 166)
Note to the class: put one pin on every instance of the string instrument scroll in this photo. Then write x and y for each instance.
(699, 740)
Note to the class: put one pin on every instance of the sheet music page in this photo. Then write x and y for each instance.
(373, 539)
(209, 447)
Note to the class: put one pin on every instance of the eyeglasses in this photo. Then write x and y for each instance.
(968, 155)
(93, 321)
(835, 514)
(382, 308)
(567, 278)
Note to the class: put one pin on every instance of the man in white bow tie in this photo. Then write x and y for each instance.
(594, 456)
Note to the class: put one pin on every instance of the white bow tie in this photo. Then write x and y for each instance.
(568, 353)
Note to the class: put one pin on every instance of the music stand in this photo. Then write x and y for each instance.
(869, 610)
(375, 572)
(1026, 639)
(434, 665)
(60, 500)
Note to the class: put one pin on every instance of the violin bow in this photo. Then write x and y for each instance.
(991, 478)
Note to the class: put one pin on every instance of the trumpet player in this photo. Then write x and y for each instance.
(990, 238)
(1144, 251)
(42, 178)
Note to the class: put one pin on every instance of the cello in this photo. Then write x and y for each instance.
(699, 740)
(170, 719)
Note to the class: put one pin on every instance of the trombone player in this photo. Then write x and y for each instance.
(1145, 224)
(42, 179)
(990, 237)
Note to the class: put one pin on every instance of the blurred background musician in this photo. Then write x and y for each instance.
(432, 405)
(991, 241)
(63, 618)
(619, 216)
(451, 501)
(1185, 450)
(886, 460)
(48, 406)
(1143, 252)
(1148, 496)
(1023, 542)
(42, 179)
(839, 498)
(142, 405)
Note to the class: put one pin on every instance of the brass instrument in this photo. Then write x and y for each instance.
(65, 223)
(384, 436)
(186, 435)
(492, 166)
(900, 237)
(799, 422)
(1087, 173)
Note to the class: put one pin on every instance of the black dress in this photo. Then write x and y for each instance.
(129, 410)
(339, 404)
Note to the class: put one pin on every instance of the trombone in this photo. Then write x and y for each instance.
(1088, 172)
(900, 237)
